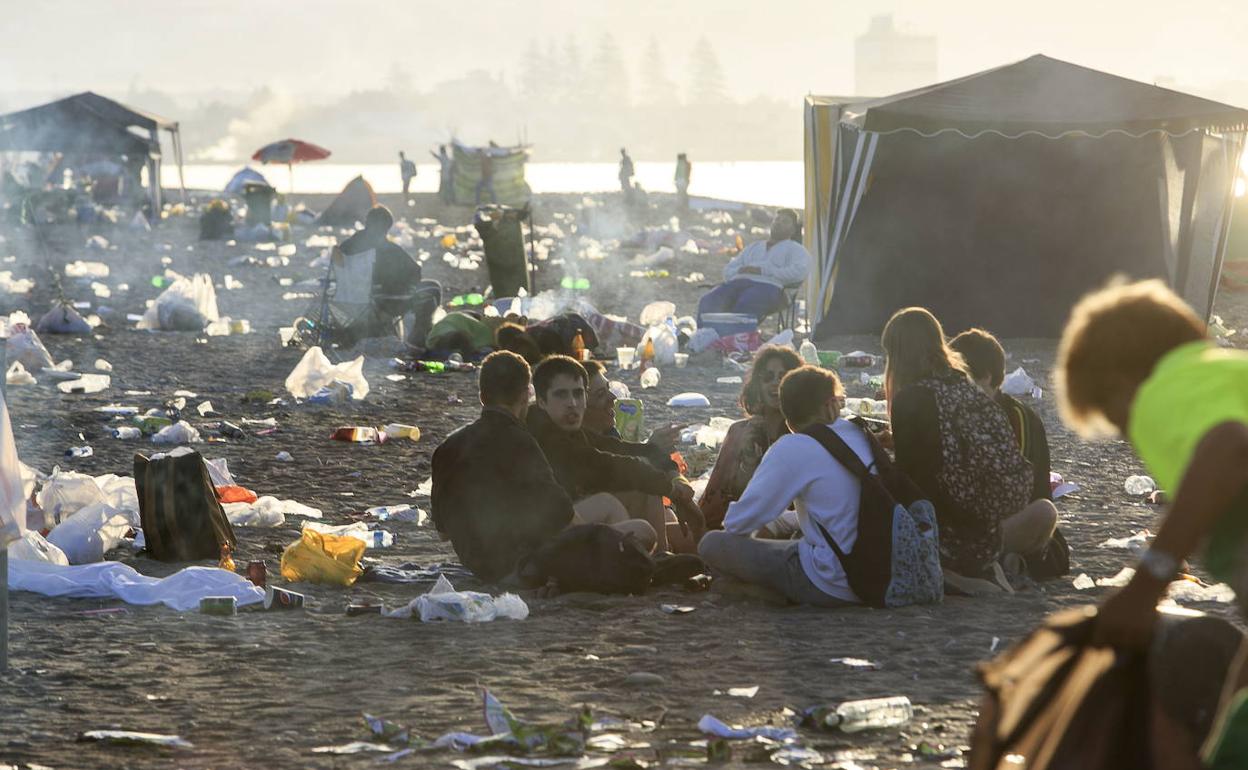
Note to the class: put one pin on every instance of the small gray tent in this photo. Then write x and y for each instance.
(90, 124)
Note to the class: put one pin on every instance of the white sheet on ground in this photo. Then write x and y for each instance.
(113, 580)
(12, 501)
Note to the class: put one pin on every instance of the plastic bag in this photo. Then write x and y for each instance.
(32, 546)
(86, 383)
(1017, 383)
(64, 494)
(24, 347)
(188, 304)
(665, 344)
(252, 515)
(121, 493)
(62, 319)
(443, 602)
(689, 399)
(88, 534)
(17, 375)
(181, 432)
(656, 313)
(319, 558)
(702, 339)
(314, 371)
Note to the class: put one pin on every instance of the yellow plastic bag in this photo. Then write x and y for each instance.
(317, 558)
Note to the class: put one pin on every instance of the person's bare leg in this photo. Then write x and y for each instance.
(1030, 529)
(601, 508)
(677, 540)
(648, 508)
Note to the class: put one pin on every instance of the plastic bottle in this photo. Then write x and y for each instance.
(126, 433)
(399, 430)
(428, 366)
(227, 561)
(650, 377)
(79, 451)
(873, 714)
(1139, 485)
(578, 346)
(809, 353)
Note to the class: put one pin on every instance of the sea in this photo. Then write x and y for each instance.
(768, 183)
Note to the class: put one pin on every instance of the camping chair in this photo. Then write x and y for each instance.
(786, 314)
(346, 303)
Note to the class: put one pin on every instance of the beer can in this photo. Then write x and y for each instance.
(280, 599)
(218, 605)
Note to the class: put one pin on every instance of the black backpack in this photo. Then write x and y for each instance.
(589, 557)
(896, 557)
(182, 519)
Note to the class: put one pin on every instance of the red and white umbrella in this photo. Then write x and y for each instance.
(290, 151)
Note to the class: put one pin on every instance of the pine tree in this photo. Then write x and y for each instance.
(706, 84)
(656, 87)
(531, 72)
(610, 76)
(572, 77)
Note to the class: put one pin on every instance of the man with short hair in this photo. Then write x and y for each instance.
(755, 279)
(591, 467)
(797, 470)
(397, 286)
(494, 495)
(408, 171)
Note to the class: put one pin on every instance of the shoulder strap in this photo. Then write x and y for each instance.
(839, 450)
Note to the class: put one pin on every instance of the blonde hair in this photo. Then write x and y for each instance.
(915, 345)
(1114, 338)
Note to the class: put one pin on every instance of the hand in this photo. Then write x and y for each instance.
(666, 437)
(681, 491)
(692, 522)
(1127, 618)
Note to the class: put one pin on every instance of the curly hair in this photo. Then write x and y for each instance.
(751, 399)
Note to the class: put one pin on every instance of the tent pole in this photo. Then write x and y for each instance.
(4, 553)
(177, 150)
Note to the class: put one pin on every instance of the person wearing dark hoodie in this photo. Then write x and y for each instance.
(494, 495)
(591, 467)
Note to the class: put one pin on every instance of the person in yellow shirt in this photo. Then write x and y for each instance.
(1136, 361)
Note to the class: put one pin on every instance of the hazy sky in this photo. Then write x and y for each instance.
(783, 48)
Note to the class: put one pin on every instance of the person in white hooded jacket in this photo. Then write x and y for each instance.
(755, 279)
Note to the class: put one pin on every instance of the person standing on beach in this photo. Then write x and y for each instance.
(408, 169)
(487, 175)
(684, 170)
(444, 178)
(626, 174)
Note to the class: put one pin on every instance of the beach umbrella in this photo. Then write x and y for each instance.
(290, 152)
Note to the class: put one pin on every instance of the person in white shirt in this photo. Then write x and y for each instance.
(797, 470)
(755, 279)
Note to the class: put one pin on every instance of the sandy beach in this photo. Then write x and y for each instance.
(266, 689)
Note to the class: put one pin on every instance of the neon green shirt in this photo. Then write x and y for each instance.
(1193, 388)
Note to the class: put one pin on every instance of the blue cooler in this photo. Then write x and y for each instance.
(728, 324)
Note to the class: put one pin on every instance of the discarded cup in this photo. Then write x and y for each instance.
(682, 360)
(399, 430)
(218, 605)
(626, 356)
(280, 599)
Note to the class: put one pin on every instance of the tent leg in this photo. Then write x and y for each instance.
(4, 609)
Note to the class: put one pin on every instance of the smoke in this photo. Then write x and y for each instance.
(271, 111)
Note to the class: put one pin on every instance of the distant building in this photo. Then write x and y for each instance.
(887, 60)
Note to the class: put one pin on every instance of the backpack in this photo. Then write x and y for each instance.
(181, 517)
(589, 557)
(896, 557)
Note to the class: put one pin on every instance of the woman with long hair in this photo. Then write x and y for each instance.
(748, 439)
(956, 443)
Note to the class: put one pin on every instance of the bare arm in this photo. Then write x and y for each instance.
(1216, 475)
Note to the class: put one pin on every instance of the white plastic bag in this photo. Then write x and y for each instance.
(86, 383)
(106, 580)
(88, 534)
(1017, 383)
(656, 313)
(443, 602)
(689, 399)
(181, 432)
(25, 347)
(314, 371)
(32, 546)
(64, 494)
(665, 344)
(702, 339)
(121, 493)
(253, 514)
(188, 304)
(17, 375)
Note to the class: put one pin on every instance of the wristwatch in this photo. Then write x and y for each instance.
(1159, 564)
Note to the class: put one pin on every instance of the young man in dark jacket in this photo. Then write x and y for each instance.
(494, 495)
(589, 466)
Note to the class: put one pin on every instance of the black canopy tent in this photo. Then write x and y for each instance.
(1000, 198)
(90, 124)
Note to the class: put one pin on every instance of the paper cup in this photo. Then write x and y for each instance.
(280, 599)
(681, 360)
(626, 357)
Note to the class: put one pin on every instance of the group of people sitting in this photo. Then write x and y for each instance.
(545, 455)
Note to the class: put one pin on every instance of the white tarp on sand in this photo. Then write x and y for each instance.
(110, 579)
